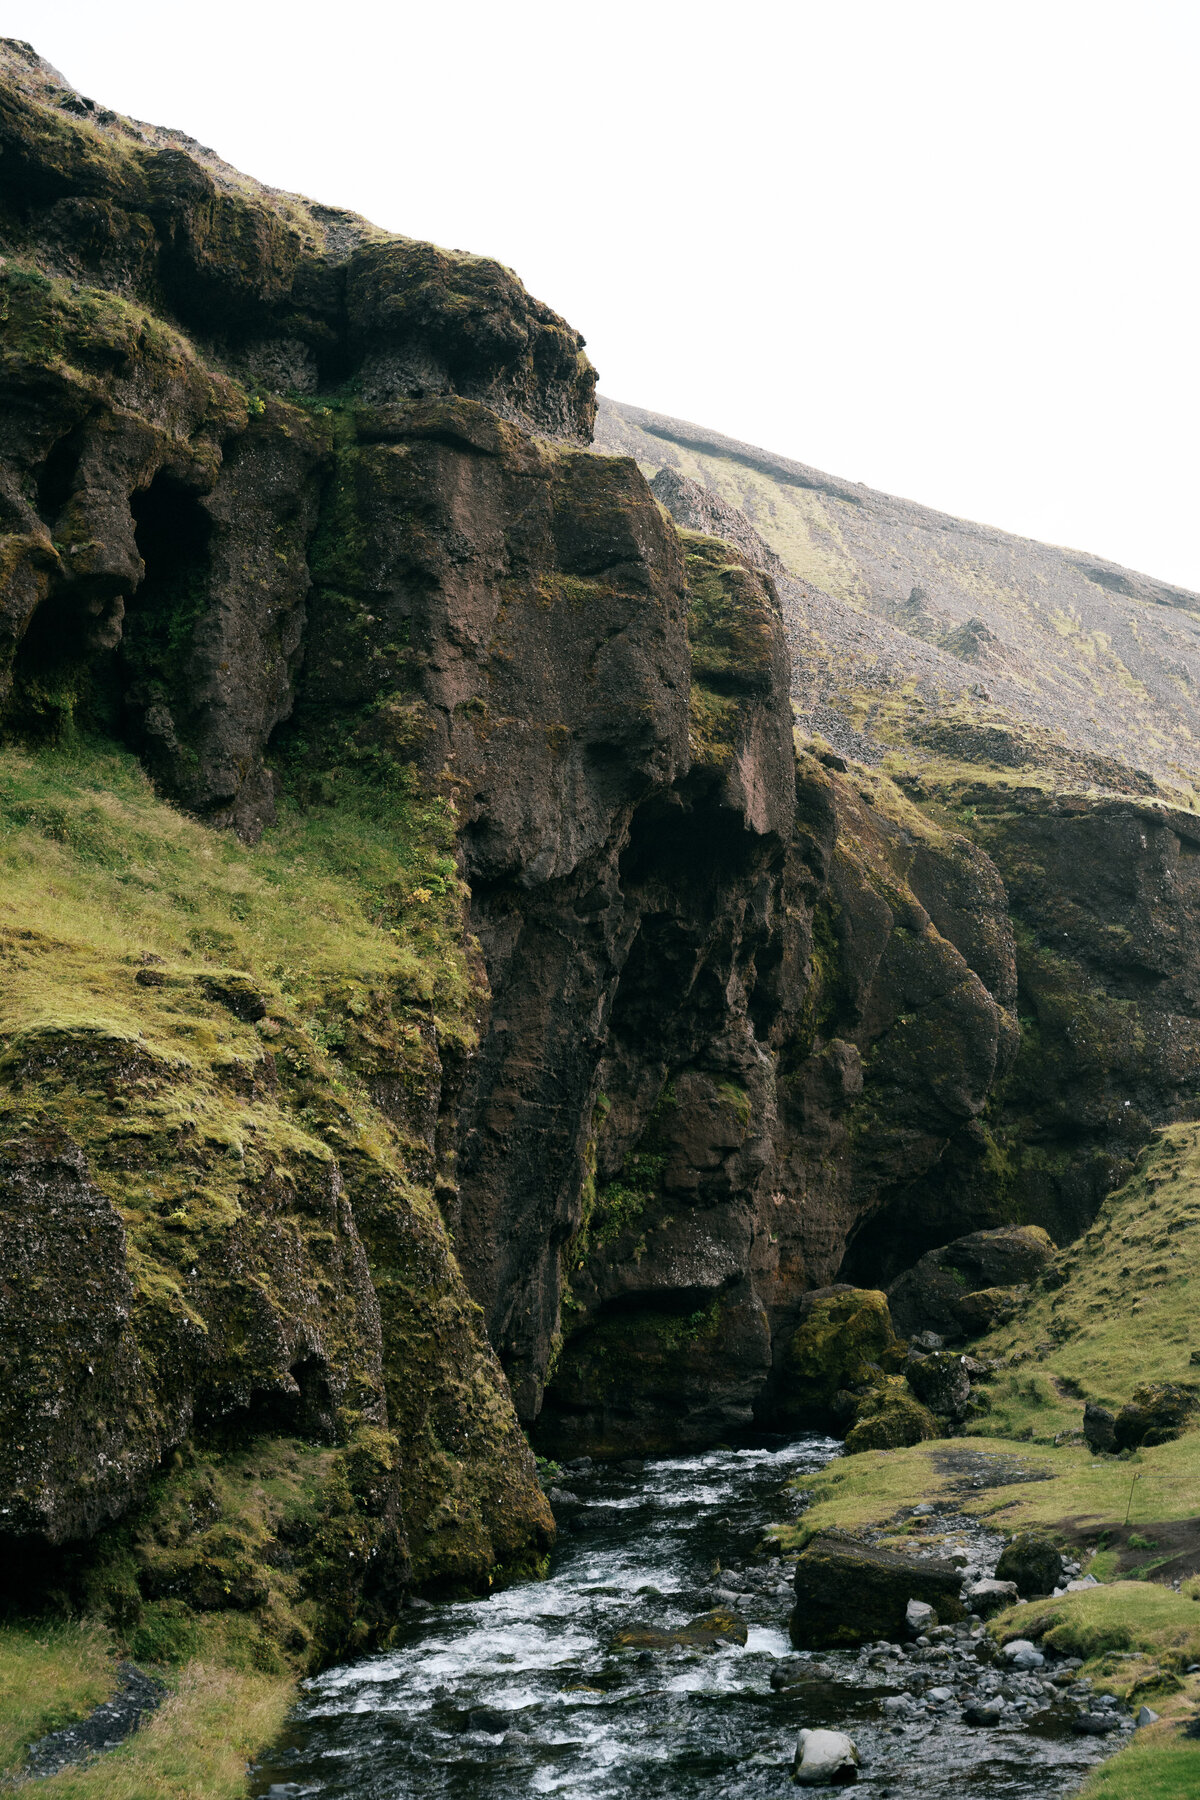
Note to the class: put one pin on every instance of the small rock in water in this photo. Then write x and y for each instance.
(1095, 1724)
(983, 1712)
(492, 1719)
(825, 1759)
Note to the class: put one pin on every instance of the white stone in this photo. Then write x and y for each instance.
(1148, 1716)
(824, 1757)
(1085, 1581)
(919, 1616)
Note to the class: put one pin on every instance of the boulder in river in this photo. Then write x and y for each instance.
(1033, 1562)
(849, 1592)
(825, 1759)
(721, 1626)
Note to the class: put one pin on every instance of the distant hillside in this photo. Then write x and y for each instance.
(920, 638)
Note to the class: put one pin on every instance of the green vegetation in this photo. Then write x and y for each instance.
(51, 1673)
(1124, 1313)
(196, 1747)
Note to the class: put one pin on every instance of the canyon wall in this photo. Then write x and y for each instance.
(641, 1020)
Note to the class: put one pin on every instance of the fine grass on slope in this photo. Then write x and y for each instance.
(196, 1747)
(1126, 1313)
(95, 867)
(51, 1673)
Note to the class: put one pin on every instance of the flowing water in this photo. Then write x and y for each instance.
(523, 1694)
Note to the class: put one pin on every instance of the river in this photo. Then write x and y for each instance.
(522, 1694)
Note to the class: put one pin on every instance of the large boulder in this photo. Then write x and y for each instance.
(849, 1592)
(836, 1349)
(941, 1383)
(1157, 1412)
(1033, 1562)
(1099, 1428)
(936, 1293)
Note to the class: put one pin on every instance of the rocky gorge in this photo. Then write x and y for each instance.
(453, 1012)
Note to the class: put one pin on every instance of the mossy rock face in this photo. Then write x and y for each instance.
(1033, 1562)
(853, 1593)
(1157, 1412)
(889, 1418)
(842, 1335)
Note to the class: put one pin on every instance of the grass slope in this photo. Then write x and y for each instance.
(1126, 1313)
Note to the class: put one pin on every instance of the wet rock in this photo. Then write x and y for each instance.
(1033, 1563)
(984, 1712)
(1021, 1654)
(919, 1616)
(494, 1720)
(1099, 1429)
(720, 1626)
(825, 1759)
(989, 1596)
(849, 1592)
(1095, 1724)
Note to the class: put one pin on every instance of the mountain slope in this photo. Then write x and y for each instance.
(914, 631)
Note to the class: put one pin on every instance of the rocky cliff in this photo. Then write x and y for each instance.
(444, 995)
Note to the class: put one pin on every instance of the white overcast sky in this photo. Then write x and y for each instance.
(946, 247)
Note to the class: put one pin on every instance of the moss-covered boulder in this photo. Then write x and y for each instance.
(712, 1628)
(941, 1382)
(852, 1593)
(889, 1418)
(964, 1288)
(843, 1334)
(1157, 1412)
(1033, 1562)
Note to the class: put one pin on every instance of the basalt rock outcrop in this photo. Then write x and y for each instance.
(647, 1022)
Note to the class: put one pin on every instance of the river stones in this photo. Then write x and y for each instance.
(720, 1626)
(850, 1593)
(825, 1759)
(989, 1596)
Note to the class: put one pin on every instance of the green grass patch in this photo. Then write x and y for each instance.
(196, 1747)
(1126, 1313)
(51, 1673)
(1068, 1484)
